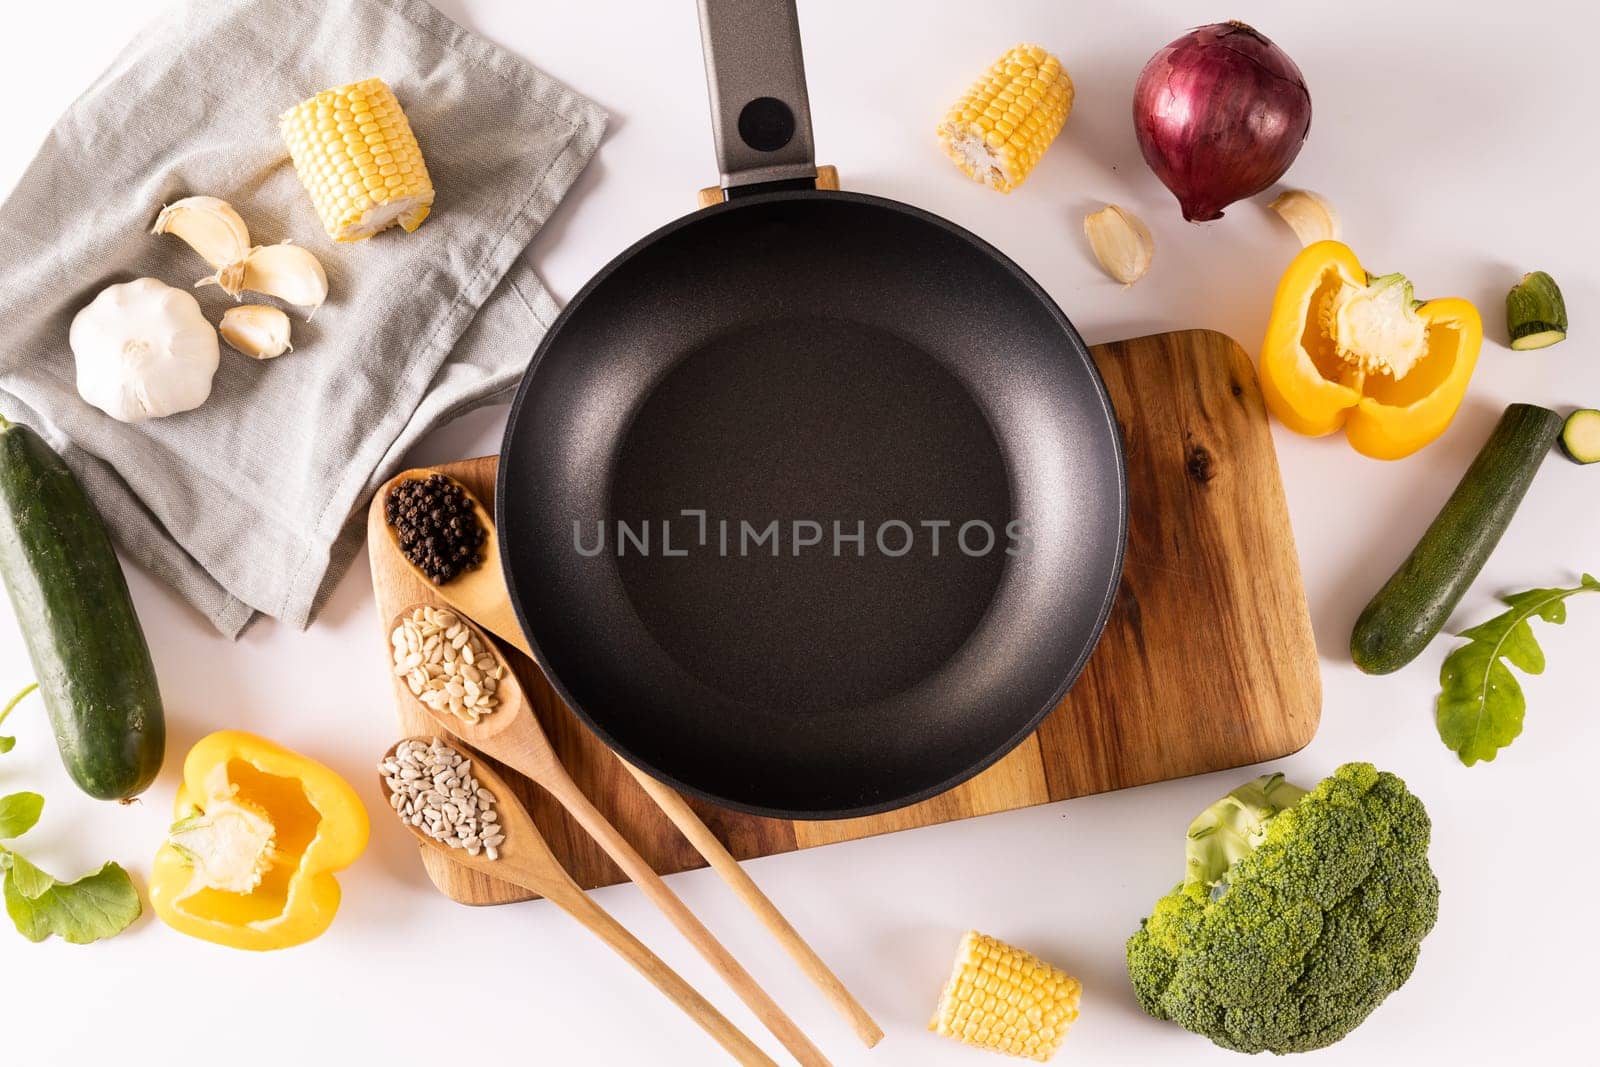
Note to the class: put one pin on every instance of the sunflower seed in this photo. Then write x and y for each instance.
(431, 787)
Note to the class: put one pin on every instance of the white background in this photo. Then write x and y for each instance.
(1459, 147)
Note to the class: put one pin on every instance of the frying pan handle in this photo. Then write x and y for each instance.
(760, 112)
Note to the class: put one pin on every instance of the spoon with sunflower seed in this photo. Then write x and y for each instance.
(457, 676)
(478, 593)
(423, 779)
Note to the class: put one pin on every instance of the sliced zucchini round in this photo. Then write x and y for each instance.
(1580, 436)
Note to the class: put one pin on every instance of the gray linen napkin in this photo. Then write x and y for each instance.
(251, 503)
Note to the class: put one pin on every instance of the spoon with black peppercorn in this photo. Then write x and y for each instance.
(463, 563)
(512, 733)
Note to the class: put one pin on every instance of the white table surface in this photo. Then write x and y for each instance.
(1457, 147)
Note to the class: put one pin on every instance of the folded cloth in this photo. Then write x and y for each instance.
(250, 503)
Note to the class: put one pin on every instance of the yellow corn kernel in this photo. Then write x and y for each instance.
(999, 129)
(356, 155)
(1005, 999)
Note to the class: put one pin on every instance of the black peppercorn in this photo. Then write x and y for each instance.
(437, 529)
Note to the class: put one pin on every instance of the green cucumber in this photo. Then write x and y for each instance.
(72, 603)
(1580, 437)
(1414, 604)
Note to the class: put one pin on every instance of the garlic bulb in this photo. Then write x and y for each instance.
(143, 350)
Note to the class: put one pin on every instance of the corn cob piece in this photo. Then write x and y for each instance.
(356, 155)
(1005, 999)
(999, 129)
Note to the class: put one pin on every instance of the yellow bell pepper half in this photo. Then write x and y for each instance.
(1348, 350)
(260, 832)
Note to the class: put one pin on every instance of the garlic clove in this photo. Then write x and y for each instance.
(285, 271)
(1308, 214)
(258, 331)
(1121, 243)
(209, 226)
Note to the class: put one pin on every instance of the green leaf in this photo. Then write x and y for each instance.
(1481, 704)
(30, 881)
(18, 813)
(1522, 650)
(96, 906)
(7, 744)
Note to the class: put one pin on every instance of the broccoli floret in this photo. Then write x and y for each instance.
(1298, 914)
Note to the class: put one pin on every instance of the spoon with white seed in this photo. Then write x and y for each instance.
(480, 594)
(525, 859)
(511, 733)
(446, 663)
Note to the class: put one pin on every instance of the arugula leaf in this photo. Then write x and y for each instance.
(18, 813)
(30, 881)
(1481, 703)
(96, 906)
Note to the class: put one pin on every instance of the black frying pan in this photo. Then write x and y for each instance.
(747, 377)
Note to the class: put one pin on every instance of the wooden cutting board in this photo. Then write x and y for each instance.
(1208, 661)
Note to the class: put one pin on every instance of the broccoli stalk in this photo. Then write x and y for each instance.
(1235, 826)
(1298, 914)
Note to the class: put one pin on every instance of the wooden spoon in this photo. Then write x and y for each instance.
(480, 593)
(481, 596)
(511, 733)
(526, 860)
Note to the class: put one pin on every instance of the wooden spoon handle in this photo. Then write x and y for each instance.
(566, 791)
(743, 886)
(577, 904)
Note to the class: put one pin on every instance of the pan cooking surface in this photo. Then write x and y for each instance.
(811, 357)
(819, 420)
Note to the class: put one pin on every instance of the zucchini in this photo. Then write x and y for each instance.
(1414, 604)
(1536, 315)
(72, 604)
(1580, 437)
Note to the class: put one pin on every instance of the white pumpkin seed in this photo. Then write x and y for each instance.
(436, 653)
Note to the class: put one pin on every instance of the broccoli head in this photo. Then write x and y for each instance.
(1298, 914)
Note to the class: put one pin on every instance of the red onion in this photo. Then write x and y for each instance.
(1220, 113)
